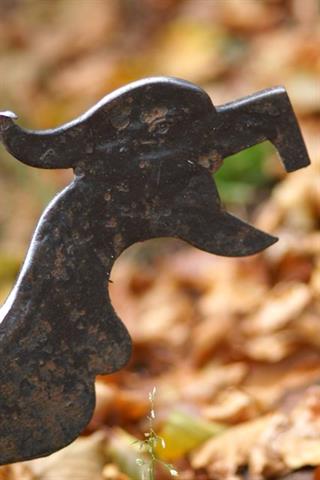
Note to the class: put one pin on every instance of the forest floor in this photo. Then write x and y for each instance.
(230, 348)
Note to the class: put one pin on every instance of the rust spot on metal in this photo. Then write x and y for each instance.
(211, 161)
(154, 118)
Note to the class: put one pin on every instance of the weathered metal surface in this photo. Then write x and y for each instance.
(143, 159)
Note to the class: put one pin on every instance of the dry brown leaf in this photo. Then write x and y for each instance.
(202, 386)
(208, 334)
(270, 348)
(16, 471)
(256, 16)
(222, 456)
(133, 404)
(307, 328)
(236, 288)
(232, 406)
(290, 441)
(160, 311)
(194, 269)
(112, 472)
(123, 404)
(106, 398)
(315, 278)
(84, 458)
(191, 49)
(283, 304)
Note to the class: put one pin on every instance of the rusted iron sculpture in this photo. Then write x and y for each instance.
(143, 159)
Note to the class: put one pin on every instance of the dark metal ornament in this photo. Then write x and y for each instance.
(143, 159)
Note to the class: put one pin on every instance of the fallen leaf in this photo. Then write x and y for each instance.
(16, 471)
(182, 432)
(232, 406)
(222, 456)
(84, 458)
(270, 348)
(290, 441)
(283, 304)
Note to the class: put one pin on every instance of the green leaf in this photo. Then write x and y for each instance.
(243, 173)
(182, 432)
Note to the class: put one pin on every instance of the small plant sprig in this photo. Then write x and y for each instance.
(148, 447)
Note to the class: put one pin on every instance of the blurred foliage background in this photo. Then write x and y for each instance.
(200, 324)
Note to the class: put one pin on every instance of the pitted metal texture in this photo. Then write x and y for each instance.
(143, 159)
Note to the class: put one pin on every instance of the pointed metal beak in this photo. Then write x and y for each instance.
(209, 227)
(235, 238)
(223, 234)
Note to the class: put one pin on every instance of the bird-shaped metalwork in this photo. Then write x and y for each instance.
(143, 159)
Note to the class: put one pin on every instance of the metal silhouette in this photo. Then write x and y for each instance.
(143, 159)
